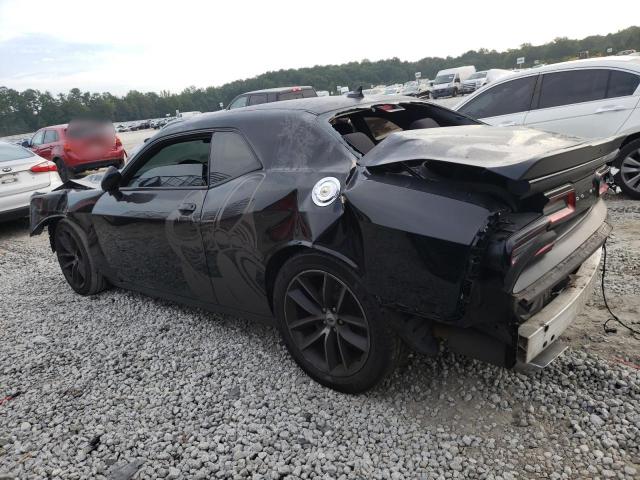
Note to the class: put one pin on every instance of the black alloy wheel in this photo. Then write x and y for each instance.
(628, 164)
(332, 326)
(72, 261)
(75, 259)
(327, 323)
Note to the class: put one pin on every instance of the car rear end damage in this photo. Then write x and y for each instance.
(539, 333)
(539, 223)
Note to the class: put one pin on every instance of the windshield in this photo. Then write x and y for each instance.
(10, 152)
(444, 78)
(478, 75)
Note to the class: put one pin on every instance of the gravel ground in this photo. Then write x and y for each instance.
(121, 386)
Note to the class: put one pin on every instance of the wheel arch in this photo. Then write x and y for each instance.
(630, 138)
(282, 255)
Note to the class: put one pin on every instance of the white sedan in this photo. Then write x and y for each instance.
(21, 174)
(594, 98)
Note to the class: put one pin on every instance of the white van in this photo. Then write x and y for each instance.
(480, 79)
(448, 83)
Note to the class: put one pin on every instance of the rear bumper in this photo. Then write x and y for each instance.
(543, 329)
(17, 205)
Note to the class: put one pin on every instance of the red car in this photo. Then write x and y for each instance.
(78, 146)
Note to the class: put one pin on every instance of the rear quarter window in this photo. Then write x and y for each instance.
(622, 84)
(291, 95)
(231, 157)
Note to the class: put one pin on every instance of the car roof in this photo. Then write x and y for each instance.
(279, 89)
(57, 127)
(622, 61)
(313, 105)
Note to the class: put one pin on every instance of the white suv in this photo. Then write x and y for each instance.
(591, 98)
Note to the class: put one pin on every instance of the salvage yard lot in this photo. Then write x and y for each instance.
(120, 382)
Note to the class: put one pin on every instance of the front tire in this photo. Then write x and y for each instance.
(76, 262)
(333, 328)
(628, 165)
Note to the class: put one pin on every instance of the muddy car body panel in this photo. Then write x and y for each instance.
(439, 223)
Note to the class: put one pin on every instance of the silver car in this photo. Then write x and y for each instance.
(22, 173)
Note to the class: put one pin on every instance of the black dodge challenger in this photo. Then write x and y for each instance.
(364, 226)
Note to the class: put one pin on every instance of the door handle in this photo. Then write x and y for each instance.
(187, 207)
(610, 108)
(509, 123)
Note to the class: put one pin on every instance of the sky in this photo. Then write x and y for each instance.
(118, 46)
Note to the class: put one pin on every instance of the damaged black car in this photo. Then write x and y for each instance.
(363, 227)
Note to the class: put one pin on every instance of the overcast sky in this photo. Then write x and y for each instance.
(155, 45)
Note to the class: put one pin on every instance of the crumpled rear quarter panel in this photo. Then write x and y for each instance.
(416, 244)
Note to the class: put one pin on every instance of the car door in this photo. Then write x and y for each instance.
(48, 142)
(574, 102)
(149, 229)
(503, 104)
(229, 229)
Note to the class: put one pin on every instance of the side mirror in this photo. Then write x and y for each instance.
(26, 143)
(111, 180)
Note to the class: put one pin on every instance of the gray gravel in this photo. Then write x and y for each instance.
(120, 386)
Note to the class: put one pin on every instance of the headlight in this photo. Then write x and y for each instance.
(325, 191)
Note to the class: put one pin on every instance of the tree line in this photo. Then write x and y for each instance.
(26, 111)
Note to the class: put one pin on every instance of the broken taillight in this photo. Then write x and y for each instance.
(528, 238)
(561, 204)
(600, 180)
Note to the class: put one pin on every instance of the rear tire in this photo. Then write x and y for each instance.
(333, 328)
(628, 165)
(76, 262)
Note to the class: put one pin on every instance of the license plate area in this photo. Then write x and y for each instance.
(9, 178)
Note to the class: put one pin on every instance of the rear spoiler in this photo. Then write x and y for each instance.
(524, 156)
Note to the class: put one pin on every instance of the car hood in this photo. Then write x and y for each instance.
(516, 153)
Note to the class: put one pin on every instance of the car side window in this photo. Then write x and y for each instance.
(574, 86)
(50, 136)
(291, 95)
(231, 157)
(258, 99)
(239, 102)
(622, 84)
(503, 99)
(179, 163)
(38, 138)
